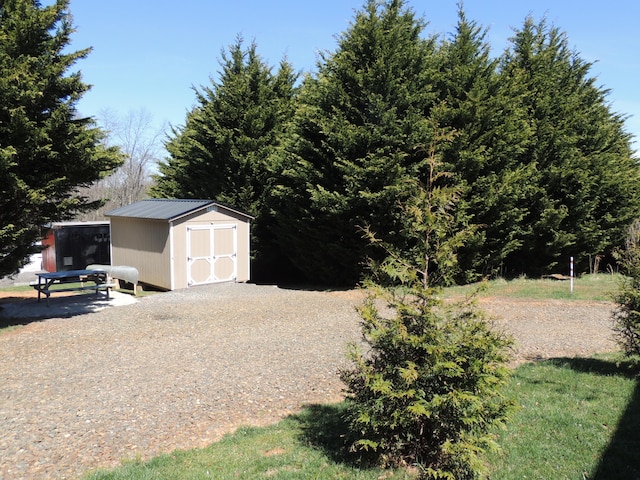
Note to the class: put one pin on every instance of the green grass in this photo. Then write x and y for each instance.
(19, 288)
(585, 288)
(576, 419)
(309, 445)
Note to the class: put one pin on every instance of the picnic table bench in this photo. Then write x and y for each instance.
(53, 282)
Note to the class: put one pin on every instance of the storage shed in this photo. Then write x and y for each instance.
(179, 243)
(74, 245)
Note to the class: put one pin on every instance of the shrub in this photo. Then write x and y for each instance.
(626, 316)
(427, 391)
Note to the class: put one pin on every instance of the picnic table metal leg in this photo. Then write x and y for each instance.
(48, 293)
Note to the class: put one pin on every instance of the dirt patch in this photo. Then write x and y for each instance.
(24, 294)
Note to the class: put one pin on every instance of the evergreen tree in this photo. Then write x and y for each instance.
(585, 183)
(427, 391)
(360, 132)
(626, 316)
(46, 151)
(225, 151)
(490, 130)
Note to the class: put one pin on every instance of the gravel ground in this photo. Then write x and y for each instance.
(178, 370)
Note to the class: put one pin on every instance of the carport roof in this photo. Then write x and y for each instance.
(167, 209)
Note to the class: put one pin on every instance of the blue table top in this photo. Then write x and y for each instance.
(68, 274)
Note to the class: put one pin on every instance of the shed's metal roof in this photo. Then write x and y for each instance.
(166, 209)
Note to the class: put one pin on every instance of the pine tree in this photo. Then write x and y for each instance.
(46, 151)
(578, 156)
(359, 134)
(491, 129)
(226, 149)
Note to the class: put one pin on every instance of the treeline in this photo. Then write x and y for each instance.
(543, 167)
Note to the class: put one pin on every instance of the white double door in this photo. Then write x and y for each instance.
(212, 254)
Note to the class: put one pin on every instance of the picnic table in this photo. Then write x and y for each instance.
(53, 282)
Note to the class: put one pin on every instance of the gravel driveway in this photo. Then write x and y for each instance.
(180, 369)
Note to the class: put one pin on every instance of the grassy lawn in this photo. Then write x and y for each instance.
(19, 288)
(307, 445)
(586, 288)
(577, 419)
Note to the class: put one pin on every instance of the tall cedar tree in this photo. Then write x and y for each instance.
(46, 151)
(491, 130)
(360, 133)
(584, 184)
(225, 151)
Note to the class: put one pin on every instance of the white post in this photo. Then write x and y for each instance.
(571, 274)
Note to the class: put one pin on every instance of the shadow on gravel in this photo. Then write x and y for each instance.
(620, 460)
(22, 311)
(304, 287)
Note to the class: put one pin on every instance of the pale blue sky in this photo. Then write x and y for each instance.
(148, 54)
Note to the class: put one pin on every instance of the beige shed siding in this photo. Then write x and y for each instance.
(143, 244)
